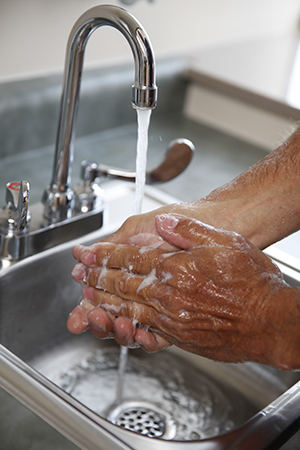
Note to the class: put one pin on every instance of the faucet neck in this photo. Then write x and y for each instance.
(144, 91)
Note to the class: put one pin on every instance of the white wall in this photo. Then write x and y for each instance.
(33, 33)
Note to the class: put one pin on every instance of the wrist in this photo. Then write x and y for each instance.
(256, 216)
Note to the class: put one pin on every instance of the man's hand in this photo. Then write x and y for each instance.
(217, 296)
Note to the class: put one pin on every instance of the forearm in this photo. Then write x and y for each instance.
(263, 203)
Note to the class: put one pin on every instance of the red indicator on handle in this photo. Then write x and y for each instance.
(15, 185)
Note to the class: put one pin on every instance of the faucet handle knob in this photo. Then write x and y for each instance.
(12, 193)
(88, 170)
(17, 198)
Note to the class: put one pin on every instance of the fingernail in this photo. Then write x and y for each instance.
(168, 221)
(100, 323)
(88, 257)
(86, 304)
(79, 272)
(88, 293)
(77, 250)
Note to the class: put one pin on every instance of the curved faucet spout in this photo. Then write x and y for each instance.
(58, 197)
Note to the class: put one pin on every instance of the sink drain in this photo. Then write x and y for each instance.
(144, 418)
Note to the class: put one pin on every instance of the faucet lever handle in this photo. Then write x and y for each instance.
(178, 156)
(17, 198)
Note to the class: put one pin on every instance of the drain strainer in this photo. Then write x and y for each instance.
(144, 418)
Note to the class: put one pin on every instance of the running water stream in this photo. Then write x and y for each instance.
(143, 120)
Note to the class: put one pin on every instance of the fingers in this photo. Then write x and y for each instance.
(161, 293)
(104, 325)
(130, 257)
(189, 233)
(114, 281)
(118, 307)
(151, 342)
(100, 323)
(177, 230)
(124, 332)
(139, 230)
(77, 321)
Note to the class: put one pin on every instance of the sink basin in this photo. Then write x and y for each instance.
(180, 399)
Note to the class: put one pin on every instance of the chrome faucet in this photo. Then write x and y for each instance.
(59, 199)
(67, 213)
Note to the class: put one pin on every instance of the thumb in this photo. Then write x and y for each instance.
(181, 231)
(185, 233)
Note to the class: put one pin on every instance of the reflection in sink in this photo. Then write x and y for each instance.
(184, 396)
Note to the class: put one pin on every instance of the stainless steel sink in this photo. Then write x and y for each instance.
(172, 399)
